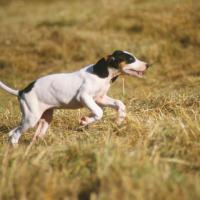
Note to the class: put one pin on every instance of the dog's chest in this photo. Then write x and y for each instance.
(100, 91)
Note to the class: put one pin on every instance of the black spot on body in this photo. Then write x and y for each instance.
(27, 89)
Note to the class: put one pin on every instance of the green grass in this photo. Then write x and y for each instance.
(154, 154)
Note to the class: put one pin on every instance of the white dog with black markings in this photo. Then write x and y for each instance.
(87, 87)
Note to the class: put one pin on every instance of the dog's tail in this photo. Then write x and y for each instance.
(8, 89)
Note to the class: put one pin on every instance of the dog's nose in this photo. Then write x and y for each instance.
(147, 65)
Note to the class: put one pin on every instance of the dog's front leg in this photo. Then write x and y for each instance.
(89, 102)
(113, 103)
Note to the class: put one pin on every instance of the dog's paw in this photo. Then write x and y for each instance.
(13, 141)
(87, 120)
(14, 138)
(84, 121)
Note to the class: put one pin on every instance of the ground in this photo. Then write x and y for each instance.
(154, 154)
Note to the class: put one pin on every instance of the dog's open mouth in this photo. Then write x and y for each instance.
(140, 73)
(133, 72)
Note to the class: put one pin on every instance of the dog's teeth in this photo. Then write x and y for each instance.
(140, 73)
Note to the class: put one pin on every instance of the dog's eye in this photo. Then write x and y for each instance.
(131, 59)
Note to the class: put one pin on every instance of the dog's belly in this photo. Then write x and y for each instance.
(74, 104)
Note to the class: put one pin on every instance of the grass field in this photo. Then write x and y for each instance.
(155, 153)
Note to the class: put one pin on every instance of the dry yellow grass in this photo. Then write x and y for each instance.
(154, 155)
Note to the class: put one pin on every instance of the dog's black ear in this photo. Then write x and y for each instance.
(112, 61)
(101, 68)
(117, 53)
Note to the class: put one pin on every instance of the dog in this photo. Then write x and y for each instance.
(87, 87)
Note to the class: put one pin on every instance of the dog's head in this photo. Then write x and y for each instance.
(121, 61)
(126, 63)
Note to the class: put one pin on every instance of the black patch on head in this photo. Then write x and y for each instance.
(27, 89)
(112, 61)
(101, 68)
(121, 56)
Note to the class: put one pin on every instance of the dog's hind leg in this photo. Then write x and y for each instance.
(29, 120)
(38, 130)
(43, 124)
(46, 118)
(27, 123)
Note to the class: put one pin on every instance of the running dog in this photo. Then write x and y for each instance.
(87, 87)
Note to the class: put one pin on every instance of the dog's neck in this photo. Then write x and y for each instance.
(103, 70)
(113, 74)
